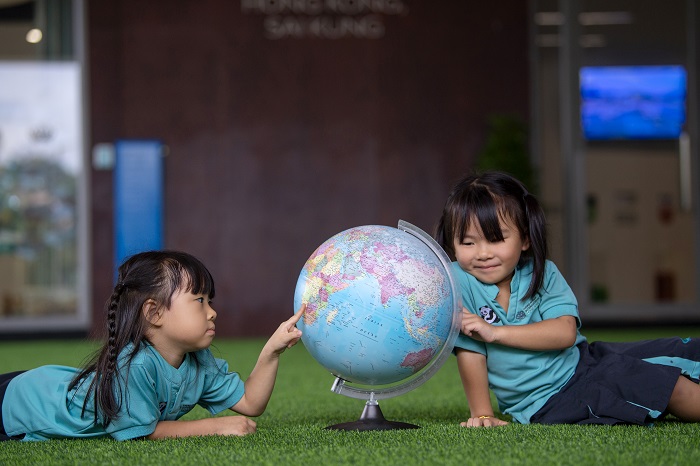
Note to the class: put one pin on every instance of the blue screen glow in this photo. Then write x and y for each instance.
(632, 102)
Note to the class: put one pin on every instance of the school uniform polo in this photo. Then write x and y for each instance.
(522, 380)
(37, 403)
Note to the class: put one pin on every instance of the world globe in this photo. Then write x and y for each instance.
(382, 313)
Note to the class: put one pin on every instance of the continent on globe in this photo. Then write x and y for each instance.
(419, 359)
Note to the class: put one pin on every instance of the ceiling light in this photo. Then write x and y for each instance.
(605, 18)
(34, 36)
(549, 18)
(592, 18)
(585, 41)
(592, 40)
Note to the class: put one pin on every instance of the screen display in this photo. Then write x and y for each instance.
(632, 102)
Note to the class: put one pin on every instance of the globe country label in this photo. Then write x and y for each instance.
(379, 305)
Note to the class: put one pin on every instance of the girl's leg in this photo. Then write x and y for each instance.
(685, 400)
(674, 351)
(4, 382)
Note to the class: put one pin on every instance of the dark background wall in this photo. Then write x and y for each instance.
(277, 144)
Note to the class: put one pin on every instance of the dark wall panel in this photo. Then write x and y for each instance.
(276, 145)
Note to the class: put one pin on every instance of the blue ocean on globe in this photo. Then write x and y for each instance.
(379, 305)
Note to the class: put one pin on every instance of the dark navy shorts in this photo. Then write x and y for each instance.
(4, 382)
(615, 383)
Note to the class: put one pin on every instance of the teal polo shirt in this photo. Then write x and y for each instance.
(522, 380)
(38, 403)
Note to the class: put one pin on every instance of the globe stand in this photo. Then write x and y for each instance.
(372, 419)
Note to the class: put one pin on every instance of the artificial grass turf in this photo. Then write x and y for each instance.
(292, 429)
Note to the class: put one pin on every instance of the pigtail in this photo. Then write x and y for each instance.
(106, 372)
(537, 236)
(441, 237)
(105, 366)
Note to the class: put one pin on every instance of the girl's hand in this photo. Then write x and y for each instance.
(286, 335)
(235, 425)
(476, 327)
(483, 421)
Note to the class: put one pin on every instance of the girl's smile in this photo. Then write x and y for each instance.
(490, 262)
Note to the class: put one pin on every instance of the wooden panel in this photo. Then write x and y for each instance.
(276, 145)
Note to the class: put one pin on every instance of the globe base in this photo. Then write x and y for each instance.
(372, 419)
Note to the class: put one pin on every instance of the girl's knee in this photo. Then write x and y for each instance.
(685, 400)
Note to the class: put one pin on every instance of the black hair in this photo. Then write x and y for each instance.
(488, 198)
(152, 275)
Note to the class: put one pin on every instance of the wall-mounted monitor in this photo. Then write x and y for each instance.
(632, 102)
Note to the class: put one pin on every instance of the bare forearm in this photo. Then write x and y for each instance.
(225, 425)
(474, 375)
(551, 334)
(170, 429)
(259, 385)
(479, 399)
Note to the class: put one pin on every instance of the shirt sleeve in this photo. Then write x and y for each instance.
(222, 389)
(557, 297)
(469, 344)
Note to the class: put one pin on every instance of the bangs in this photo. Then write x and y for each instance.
(190, 275)
(480, 207)
(197, 280)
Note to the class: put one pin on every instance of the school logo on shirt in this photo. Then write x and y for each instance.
(532, 305)
(489, 315)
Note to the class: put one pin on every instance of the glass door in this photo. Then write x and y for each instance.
(614, 86)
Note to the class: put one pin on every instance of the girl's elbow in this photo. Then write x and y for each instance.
(570, 340)
(248, 409)
(256, 412)
(571, 332)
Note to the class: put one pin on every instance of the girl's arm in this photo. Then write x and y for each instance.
(258, 389)
(224, 425)
(472, 370)
(549, 334)
(259, 385)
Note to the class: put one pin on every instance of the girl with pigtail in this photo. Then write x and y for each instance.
(520, 326)
(153, 368)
